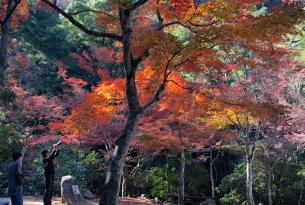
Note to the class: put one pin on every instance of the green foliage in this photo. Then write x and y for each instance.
(8, 144)
(84, 167)
(7, 96)
(287, 180)
(231, 198)
(234, 184)
(159, 183)
(193, 186)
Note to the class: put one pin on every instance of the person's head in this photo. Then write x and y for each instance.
(45, 153)
(16, 156)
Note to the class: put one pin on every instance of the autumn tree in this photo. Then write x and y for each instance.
(247, 100)
(176, 124)
(145, 33)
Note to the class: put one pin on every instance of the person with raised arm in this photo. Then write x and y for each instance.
(49, 172)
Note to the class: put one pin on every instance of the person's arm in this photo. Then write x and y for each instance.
(19, 168)
(54, 153)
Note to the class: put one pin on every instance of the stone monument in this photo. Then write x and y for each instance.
(70, 192)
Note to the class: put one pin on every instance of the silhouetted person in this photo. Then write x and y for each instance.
(15, 190)
(49, 173)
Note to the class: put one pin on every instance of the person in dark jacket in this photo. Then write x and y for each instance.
(15, 190)
(49, 172)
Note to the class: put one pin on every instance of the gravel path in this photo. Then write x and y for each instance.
(29, 200)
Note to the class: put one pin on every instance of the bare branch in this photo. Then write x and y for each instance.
(93, 11)
(161, 88)
(81, 26)
(138, 4)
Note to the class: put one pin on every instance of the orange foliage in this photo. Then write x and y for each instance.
(211, 30)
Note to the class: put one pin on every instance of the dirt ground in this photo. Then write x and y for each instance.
(29, 200)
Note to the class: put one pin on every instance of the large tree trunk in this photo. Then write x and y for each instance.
(3, 51)
(181, 176)
(269, 186)
(249, 181)
(113, 179)
(212, 174)
(112, 184)
(5, 31)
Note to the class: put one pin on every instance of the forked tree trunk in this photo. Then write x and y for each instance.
(270, 187)
(112, 183)
(181, 176)
(249, 181)
(212, 174)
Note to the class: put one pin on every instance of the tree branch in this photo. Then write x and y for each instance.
(161, 88)
(138, 4)
(10, 12)
(93, 11)
(156, 97)
(81, 26)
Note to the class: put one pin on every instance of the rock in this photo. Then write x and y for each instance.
(208, 202)
(5, 202)
(154, 201)
(87, 194)
(70, 192)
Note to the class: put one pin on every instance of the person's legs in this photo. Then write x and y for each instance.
(46, 197)
(13, 199)
(51, 188)
(17, 199)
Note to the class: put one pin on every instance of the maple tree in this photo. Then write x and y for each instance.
(175, 126)
(247, 101)
(11, 13)
(154, 57)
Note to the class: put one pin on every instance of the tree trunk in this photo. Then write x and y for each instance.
(167, 177)
(301, 191)
(5, 31)
(113, 180)
(212, 174)
(124, 180)
(181, 176)
(249, 182)
(269, 186)
(3, 52)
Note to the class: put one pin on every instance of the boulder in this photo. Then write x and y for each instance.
(70, 192)
(87, 194)
(154, 201)
(208, 202)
